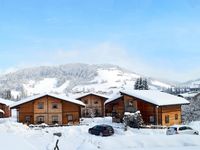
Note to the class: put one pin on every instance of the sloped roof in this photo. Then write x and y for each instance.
(6, 102)
(115, 97)
(156, 97)
(189, 94)
(1, 111)
(62, 97)
(91, 93)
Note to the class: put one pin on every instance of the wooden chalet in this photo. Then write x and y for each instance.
(49, 109)
(4, 108)
(94, 105)
(157, 108)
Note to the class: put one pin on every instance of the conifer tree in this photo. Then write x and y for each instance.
(141, 84)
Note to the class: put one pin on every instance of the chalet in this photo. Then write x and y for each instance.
(94, 104)
(49, 109)
(4, 108)
(156, 107)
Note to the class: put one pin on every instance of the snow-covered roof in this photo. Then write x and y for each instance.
(62, 97)
(117, 96)
(92, 93)
(156, 97)
(6, 102)
(1, 111)
(189, 94)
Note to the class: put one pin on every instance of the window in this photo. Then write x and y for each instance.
(41, 105)
(183, 128)
(167, 119)
(129, 106)
(130, 103)
(1, 115)
(151, 119)
(96, 113)
(188, 128)
(95, 102)
(54, 119)
(176, 116)
(54, 106)
(69, 117)
(27, 119)
(85, 101)
(40, 119)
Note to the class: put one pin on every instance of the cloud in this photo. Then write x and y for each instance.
(105, 52)
(101, 53)
(108, 53)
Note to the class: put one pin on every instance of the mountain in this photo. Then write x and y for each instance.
(192, 84)
(72, 79)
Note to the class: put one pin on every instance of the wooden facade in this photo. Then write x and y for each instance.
(5, 111)
(151, 113)
(94, 105)
(49, 110)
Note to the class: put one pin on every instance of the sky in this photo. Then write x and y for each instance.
(157, 38)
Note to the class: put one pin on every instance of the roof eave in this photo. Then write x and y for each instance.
(79, 98)
(15, 106)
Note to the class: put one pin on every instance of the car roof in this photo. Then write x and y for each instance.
(104, 125)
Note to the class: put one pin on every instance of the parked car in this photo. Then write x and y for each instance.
(181, 129)
(102, 130)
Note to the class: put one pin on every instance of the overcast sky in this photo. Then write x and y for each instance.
(157, 38)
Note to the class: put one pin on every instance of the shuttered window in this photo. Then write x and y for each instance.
(176, 116)
(166, 118)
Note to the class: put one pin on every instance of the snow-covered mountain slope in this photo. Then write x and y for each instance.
(192, 84)
(72, 78)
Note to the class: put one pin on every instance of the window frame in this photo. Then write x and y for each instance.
(27, 120)
(54, 121)
(130, 103)
(151, 119)
(167, 120)
(69, 115)
(96, 102)
(40, 105)
(176, 116)
(54, 104)
(39, 121)
(86, 101)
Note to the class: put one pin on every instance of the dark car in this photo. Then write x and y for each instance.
(102, 130)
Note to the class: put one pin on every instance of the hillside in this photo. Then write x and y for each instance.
(72, 78)
(192, 83)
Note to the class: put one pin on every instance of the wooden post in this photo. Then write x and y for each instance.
(47, 111)
(157, 115)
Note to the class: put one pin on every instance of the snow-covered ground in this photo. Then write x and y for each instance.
(15, 136)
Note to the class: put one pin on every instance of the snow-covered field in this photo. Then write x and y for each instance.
(15, 136)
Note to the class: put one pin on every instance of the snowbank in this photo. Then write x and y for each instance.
(195, 125)
(77, 137)
(10, 141)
